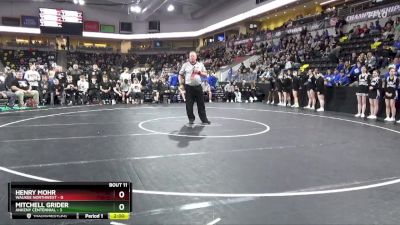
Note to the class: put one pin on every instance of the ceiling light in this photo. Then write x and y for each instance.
(327, 2)
(135, 9)
(144, 10)
(76, 1)
(81, 2)
(171, 8)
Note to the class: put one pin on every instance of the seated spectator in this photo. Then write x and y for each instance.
(117, 93)
(45, 91)
(135, 92)
(83, 87)
(59, 93)
(5, 93)
(229, 92)
(125, 87)
(33, 77)
(164, 90)
(207, 90)
(329, 78)
(343, 79)
(94, 90)
(212, 81)
(21, 88)
(106, 93)
(70, 91)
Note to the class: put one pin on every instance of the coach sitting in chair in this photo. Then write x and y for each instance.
(21, 88)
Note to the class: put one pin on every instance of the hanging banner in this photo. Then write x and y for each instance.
(374, 14)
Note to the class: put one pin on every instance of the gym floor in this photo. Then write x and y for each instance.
(255, 164)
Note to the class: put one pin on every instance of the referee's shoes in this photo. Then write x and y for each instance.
(191, 122)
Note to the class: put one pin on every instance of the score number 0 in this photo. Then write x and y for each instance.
(121, 194)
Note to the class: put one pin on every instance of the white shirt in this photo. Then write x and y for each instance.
(188, 69)
(135, 87)
(125, 76)
(83, 86)
(33, 77)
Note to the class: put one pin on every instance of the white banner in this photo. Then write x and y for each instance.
(374, 14)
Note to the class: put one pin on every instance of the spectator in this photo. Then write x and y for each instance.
(106, 93)
(135, 92)
(45, 91)
(207, 90)
(75, 73)
(83, 87)
(125, 75)
(94, 90)
(229, 92)
(125, 87)
(33, 77)
(21, 88)
(59, 93)
(70, 91)
(95, 72)
(238, 94)
(390, 88)
(5, 93)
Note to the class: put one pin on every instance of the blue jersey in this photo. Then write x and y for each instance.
(212, 80)
(174, 80)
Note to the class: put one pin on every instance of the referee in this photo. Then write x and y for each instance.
(192, 71)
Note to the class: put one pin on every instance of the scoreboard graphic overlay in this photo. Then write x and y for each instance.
(70, 200)
(60, 21)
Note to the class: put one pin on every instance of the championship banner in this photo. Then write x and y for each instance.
(374, 14)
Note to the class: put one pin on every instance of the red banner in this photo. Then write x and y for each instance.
(91, 26)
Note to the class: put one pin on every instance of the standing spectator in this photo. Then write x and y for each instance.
(374, 84)
(320, 89)
(362, 92)
(75, 73)
(238, 94)
(311, 86)
(125, 75)
(21, 88)
(391, 86)
(95, 72)
(295, 88)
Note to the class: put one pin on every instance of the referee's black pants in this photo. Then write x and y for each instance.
(195, 93)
